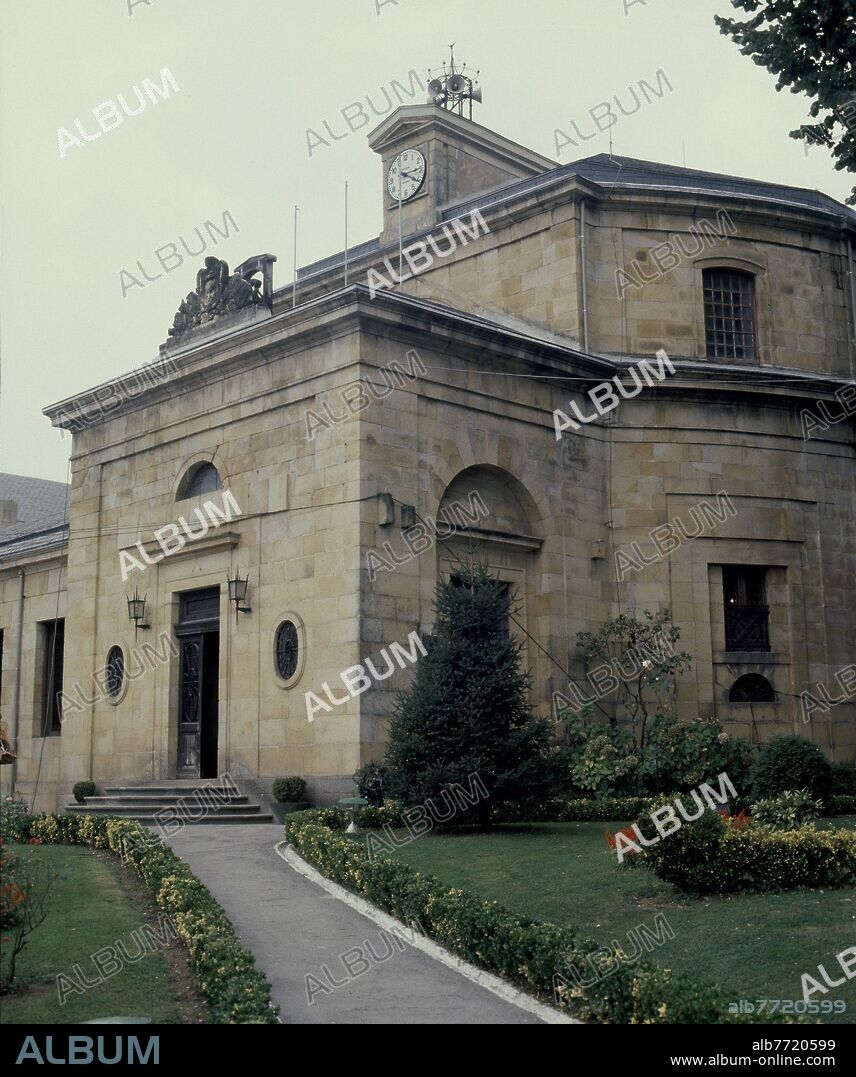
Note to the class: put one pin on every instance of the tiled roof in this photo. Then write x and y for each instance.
(612, 171)
(618, 172)
(37, 542)
(42, 515)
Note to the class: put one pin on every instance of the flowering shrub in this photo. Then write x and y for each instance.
(237, 993)
(602, 755)
(11, 895)
(14, 819)
(681, 755)
(24, 894)
(677, 756)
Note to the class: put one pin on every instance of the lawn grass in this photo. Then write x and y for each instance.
(754, 945)
(91, 907)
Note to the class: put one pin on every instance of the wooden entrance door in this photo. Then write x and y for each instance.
(198, 689)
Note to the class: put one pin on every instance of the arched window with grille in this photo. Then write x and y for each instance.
(752, 688)
(729, 313)
(200, 479)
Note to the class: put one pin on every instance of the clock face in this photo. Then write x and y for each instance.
(406, 175)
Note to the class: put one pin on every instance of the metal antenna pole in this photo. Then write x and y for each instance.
(346, 234)
(400, 235)
(294, 289)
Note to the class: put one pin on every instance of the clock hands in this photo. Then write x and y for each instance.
(399, 175)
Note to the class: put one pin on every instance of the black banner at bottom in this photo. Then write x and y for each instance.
(679, 1047)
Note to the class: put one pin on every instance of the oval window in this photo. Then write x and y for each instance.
(287, 650)
(115, 672)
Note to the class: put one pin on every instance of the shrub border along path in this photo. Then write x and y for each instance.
(521, 951)
(548, 1014)
(236, 992)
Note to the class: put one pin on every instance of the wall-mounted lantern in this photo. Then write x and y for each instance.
(238, 593)
(137, 610)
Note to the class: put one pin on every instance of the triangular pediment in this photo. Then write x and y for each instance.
(410, 120)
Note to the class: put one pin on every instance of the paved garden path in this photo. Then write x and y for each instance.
(293, 927)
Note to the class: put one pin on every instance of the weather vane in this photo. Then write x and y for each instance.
(453, 88)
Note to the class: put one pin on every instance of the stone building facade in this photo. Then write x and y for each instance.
(448, 371)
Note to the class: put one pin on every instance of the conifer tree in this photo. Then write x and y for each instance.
(466, 712)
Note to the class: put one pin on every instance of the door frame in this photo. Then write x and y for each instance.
(197, 628)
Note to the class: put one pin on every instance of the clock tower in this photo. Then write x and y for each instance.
(435, 156)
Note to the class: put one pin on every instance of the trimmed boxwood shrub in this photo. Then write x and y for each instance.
(237, 993)
(82, 790)
(581, 810)
(528, 953)
(791, 762)
(288, 790)
(688, 859)
(558, 810)
(712, 856)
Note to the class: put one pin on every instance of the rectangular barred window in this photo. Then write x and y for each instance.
(729, 318)
(747, 615)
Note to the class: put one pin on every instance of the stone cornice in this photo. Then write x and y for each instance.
(44, 560)
(555, 190)
(414, 321)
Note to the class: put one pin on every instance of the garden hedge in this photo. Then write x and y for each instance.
(525, 952)
(559, 810)
(711, 856)
(616, 809)
(237, 993)
(843, 779)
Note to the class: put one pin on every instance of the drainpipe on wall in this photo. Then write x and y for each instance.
(852, 307)
(583, 274)
(16, 688)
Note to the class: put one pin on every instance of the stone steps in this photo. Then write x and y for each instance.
(158, 798)
(165, 803)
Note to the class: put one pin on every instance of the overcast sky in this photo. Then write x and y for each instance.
(253, 77)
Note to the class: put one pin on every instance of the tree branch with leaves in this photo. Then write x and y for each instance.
(811, 46)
